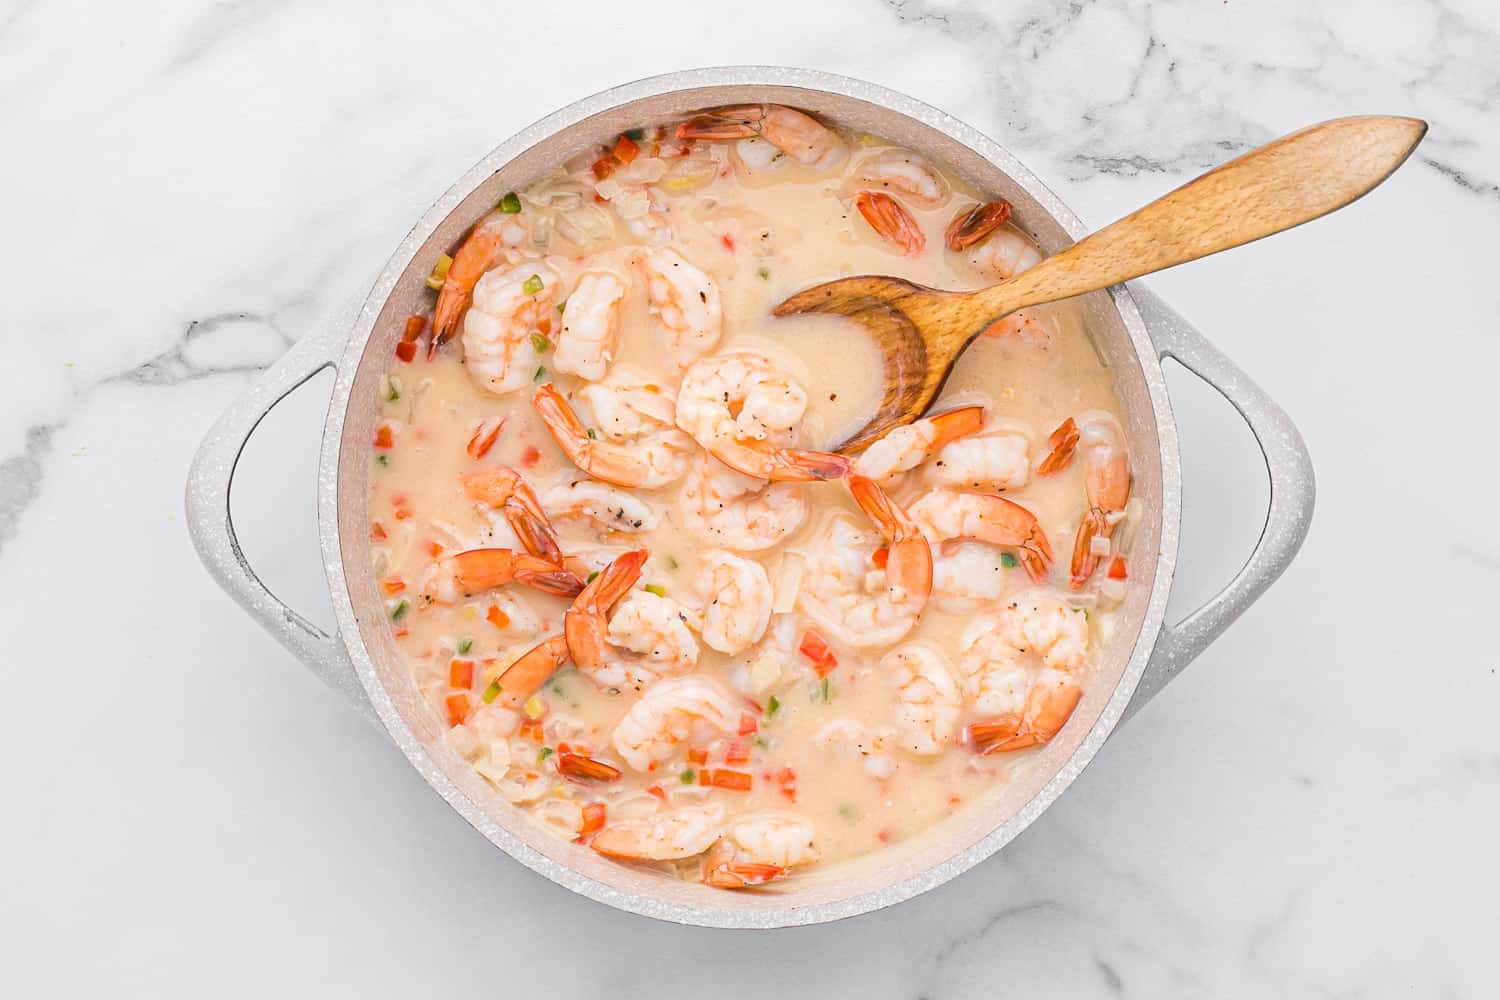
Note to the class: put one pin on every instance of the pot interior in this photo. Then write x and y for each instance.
(900, 870)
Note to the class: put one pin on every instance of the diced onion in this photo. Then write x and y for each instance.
(689, 174)
(463, 741)
(1099, 546)
(788, 583)
(1112, 590)
(765, 673)
(561, 817)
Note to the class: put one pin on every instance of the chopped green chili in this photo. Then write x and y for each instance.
(687, 777)
(773, 705)
(383, 459)
(490, 693)
(1007, 560)
(543, 754)
(540, 342)
(511, 203)
(635, 134)
(464, 645)
(591, 577)
(398, 611)
(532, 285)
(657, 589)
(764, 273)
(672, 562)
(593, 436)
(541, 373)
(827, 691)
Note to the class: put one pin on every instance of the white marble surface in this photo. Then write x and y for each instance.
(1311, 810)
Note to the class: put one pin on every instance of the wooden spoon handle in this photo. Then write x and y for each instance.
(1284, 184)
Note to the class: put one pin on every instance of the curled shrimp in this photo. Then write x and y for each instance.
(526, 675)
(985, 517)
(997, 459)
(736, 597)
(647, 463)
(891, 221)
(646, 637)
(590, 318)
(480, 251)
(610, 511)
(678, 833)
(1106, 477)
(905, 172)
(506, 491)
(467, 573)
(672, 713)
(685, 302)
(509, 306)
(737, 405)
(907, 446)
(800, 136)
(1005, 254)
(1021, 666)
(725, 508)
(760, 847)
(848, 594)
(928, 699)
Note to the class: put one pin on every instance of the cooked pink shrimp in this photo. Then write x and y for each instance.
(760, 847)
(737, 405)
(509, 306)
(1106, 471)
(1022, 666)
(856, 741)
(908, 566)
(997, 459)
(530, 671)
(966, 576)
(671, 714)
(668, 836)
(476, 570)
(590, 318)
(645, 464)
(609, 511)
(800, 136)
(646, 637)
(985, 517)
(1005, 254)
(506, 491)
(907, 446)
(906, 173)
(479, 252)
(928, 699)
(729, 509)
(685, 302)
(735, 594)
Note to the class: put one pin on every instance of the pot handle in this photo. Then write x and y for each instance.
(1287, 518)
(212, 525)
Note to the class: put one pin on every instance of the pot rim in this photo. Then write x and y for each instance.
(792, 914)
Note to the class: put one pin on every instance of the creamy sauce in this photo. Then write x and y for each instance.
(759, 236)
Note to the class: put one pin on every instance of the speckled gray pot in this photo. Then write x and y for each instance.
(1134, 330)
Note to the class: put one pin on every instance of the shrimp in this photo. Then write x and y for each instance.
(985, 517)
(855, 741)
(669, 836)
(670, 714)
(998, 459)
(1005, 254)
(891, 221)
(608, 509)
(509, 306)
(725, 508)
(760, 847)
(651, 626)
(737, 405)
(800, 136)
(685, 302)
(478, 253)
(506, 491)
(648, 463)
(627, 405)
(737, 600)
(928, 699)
(972, 225)
(845, 592)
(903, 171)
(1026, 704)
(907, 446)
(1106, 472)
(966, 576)
(530, 671)
(590, 318)
(476, 570)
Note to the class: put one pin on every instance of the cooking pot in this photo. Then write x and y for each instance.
(1133, 331)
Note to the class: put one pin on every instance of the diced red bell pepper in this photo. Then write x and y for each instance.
(787, 779)
(880, 557)
(737, 753)
(817, 652)
(530, 456)
(1117, 568)
(625, 149)
(461, 673)
(406, 351)
(393, 585)
(748, 724)
(697, 755)
(496, 617)
(458, 708)
(593, 818)
(377, 532)
(735, 781)
(603, 167)
(434, 549)
(383, 437)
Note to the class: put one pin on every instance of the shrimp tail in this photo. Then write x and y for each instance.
(741, 875)
(505, 490)
(1047, 709)
(738, 122)
(585, 624)
(471, 260)
(890, 221)
(480, 569)
(760, 460)
(909, 561)
(525, 677)
(1095, 524)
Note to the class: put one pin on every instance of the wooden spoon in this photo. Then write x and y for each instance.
(922, 331)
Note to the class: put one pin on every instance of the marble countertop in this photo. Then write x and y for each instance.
(1310, 810)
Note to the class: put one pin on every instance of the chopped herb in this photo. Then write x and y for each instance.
(848, 812)
(773, 705)
(672, 562)
(561, 305)
(490, 693)
(657, 589)
(764, 273)
(687, 777)
(827, 691)
(540, 342)
(393, 395)
(511, 203)
(383, 459)
(592, 435)
(591, 577)
(543, 754)
(464, 645)
(439, 272)
(1007, 560)
(399, 611)
(541, 373)
(532, 285)
(760, 742)
(635, 134)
